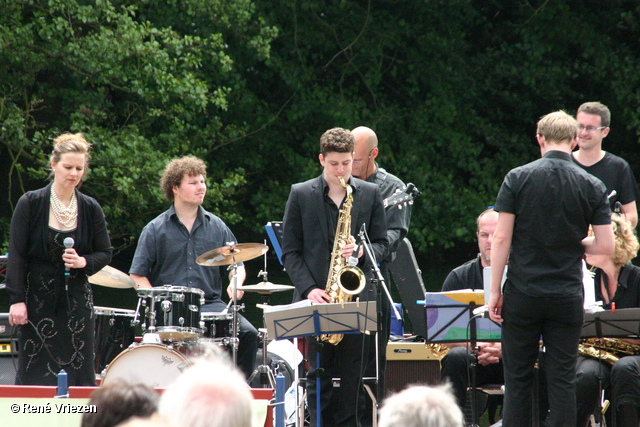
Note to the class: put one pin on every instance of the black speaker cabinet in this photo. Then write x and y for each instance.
(410, 363)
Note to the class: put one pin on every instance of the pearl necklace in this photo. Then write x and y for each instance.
(65, 215)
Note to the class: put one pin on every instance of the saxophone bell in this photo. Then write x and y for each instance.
(351, 280)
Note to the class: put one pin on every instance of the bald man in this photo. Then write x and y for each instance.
(398, 217)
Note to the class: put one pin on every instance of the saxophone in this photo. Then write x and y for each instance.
(344, 281)
(608, 350)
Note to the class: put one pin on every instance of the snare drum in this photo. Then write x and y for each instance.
(173, 310)
(114, 331)
(152, 364)
(216, 327)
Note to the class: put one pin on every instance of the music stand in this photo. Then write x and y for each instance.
(304, 319)
(622, 323)
(451, 318)
(274, 231)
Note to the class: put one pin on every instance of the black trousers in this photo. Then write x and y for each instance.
(247, 336)
(558, 321)
(344, 405)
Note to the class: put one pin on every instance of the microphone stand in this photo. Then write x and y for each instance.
(380, 285)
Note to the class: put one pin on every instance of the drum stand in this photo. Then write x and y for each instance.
(150, 337)
(233, 341)
(267, 379)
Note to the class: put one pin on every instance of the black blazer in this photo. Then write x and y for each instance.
(28, 237)
(306, 250)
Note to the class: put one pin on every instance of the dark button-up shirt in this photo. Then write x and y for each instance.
(554, 202)
(167, 252)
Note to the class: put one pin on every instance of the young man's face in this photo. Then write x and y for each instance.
(335, 165)
(191, 190)
(589, 136)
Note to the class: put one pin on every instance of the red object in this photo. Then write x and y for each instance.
(613, 307)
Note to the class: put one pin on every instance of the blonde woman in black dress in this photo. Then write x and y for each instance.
(48, 286)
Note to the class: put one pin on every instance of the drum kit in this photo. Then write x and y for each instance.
(174, 329)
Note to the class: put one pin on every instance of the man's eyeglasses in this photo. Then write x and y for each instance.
(590, 128)
(359, 161)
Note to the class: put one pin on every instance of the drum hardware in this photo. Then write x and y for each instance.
(267, 378)
(265, 289)
(231, 255)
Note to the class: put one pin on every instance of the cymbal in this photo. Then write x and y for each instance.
(112, 278)
(265, 288)
(227, 255)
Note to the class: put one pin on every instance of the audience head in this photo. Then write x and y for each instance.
(208, 394)
(118, 401)
(422, 406)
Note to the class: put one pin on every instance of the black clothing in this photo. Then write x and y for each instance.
(616, 174)
(554, 202)
(36, 276)
(552, 195)
(466, 276)
(398, 218)
(624, 377)
(306, 254)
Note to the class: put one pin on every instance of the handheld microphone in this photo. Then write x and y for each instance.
(68, 243)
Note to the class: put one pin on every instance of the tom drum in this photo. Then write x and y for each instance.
(114, 331)
(174, 311)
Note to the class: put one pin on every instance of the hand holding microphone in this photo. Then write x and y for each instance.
(70, 256)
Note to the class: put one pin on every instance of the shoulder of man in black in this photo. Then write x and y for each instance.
(465, 276)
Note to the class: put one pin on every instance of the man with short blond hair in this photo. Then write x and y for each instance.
(545, 210)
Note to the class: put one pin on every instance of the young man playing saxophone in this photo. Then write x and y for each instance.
(309, 228)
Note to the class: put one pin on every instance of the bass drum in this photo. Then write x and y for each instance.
(282, 358)
(154, 365)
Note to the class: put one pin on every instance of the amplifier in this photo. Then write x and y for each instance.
(410, 363)
(5, 326)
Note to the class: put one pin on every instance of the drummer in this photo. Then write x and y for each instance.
(169, 245)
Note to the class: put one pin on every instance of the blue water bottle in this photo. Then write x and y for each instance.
(63, 389)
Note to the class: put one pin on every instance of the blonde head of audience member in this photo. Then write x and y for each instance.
(211, 393)
(421, 406)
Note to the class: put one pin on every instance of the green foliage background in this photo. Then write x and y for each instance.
(453, 89)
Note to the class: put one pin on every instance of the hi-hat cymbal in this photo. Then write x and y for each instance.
(265, 288)
(112, 278)
(227, 255)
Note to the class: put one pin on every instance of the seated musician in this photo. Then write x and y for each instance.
(455, 365)
(616, 281)
(170, 244)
